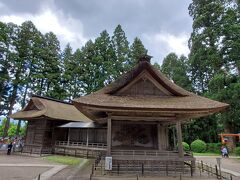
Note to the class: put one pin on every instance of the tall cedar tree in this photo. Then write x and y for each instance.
(4, 66)
(204, 58)
(214, 60)
(137, 50)
(177, 70)
(29, 46)
(121, 47)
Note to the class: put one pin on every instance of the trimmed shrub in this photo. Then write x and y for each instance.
(214, 147)
(198, 146)
(186, 146)
(237, 151)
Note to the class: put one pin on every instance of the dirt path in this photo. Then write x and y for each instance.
(25, 167)
(232, 164)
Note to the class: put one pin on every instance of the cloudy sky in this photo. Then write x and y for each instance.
(163, 25)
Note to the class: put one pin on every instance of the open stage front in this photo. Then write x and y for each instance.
(130, 135)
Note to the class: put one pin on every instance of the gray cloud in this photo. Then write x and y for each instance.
(142, 18)
(136, 16)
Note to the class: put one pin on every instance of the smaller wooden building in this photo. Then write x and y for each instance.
(44, 116)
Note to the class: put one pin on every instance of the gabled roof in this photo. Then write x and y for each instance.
(145, 88)
(52, 109)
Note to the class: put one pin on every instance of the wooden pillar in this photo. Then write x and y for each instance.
(159, 136)
(167, 137)
(174, 138)
(179, 137)
(87, 138)
(68, 139)
(109, 135)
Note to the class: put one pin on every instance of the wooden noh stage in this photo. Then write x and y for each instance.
(139, 108)
(128, 120)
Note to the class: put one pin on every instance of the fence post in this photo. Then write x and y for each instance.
(39, 176)
(191, 170)
(216, 171)
(118, 167)
(211, 170)
(92, 168)
(142, 169)
(202, 166)
(166, 168)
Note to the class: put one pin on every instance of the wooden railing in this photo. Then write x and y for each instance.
(144, 152)
(81, 144)
(147, 154)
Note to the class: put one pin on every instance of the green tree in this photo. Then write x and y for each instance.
(137, 50)
(89, 74)
(176, 69)
(72, 72)
(214, 61)
(121, 47)
(204, 43)
(4, 66)
(49, 75)
(28, 46)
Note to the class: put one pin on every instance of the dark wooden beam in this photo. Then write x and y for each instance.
(179, 137)
(109, 135)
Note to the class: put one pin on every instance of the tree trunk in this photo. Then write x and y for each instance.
(23, 104)
(11, 104)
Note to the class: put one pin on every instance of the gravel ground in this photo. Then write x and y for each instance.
(21, 173)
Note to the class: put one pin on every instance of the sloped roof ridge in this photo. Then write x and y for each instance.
(51, 99)
(130, 75)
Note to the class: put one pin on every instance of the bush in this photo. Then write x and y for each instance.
(198, 146)
(214, 147)
(237, 151)
(186, 147)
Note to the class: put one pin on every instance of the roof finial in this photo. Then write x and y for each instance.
(145, 57)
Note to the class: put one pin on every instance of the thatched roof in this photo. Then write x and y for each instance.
(41, 107)
(145, 89)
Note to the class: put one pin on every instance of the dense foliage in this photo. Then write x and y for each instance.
(186, 146)
(213, 66)
(237, 151)
(214, 147)
(198, 146)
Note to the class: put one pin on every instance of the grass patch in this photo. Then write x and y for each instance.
(67, 160)
(207, 154)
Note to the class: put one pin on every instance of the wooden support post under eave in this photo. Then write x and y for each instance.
(179, 138)
(159, 136)
(109, 135)
(87, 138)
(68, 139)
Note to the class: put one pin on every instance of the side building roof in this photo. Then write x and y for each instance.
(39, 106)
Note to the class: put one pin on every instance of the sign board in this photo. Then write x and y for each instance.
(218, 161)
(108, 163)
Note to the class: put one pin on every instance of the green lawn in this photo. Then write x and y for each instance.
(67, 160)
(206, 154)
